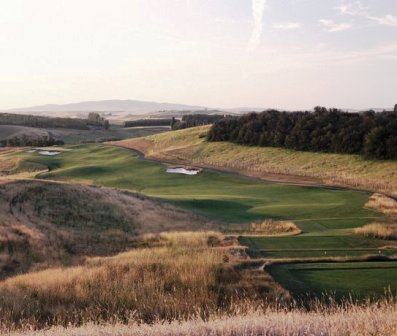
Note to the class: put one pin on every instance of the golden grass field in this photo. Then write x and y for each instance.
(177, 277)
(190, 147)
(351, 320)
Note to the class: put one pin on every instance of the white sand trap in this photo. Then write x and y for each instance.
(49, 153)
(183, 171)
(31, 151)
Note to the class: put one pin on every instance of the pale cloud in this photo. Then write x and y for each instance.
(356, 8)
(224, 20)
(353, 8)
(387, 20)
(287, 25)
(332, 26)
(258, 8)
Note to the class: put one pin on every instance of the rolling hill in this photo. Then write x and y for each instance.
(277, 164)
(44, 224)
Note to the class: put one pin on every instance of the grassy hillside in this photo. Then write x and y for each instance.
(44, 224)
(177, 277)
(189, 146)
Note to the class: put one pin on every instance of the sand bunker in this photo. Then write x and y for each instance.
(31, 151)
(184, 171)
(49, 153)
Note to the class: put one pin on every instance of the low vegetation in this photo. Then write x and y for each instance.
(194, 120)
(274, 228)
(148, 122)
(47, 122)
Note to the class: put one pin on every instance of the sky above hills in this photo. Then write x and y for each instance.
(290, 54)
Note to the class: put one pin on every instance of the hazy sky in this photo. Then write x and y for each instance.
(219, 53)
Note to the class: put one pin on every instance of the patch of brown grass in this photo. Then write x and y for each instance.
(378, 230)
(271, 227)
(382, 203)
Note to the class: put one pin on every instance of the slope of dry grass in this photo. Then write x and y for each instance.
(350, 320)
(189, 147)
(46, 223)
(178, 278)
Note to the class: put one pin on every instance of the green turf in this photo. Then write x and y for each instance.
(221, 196)
(358, 279)
(307, 246)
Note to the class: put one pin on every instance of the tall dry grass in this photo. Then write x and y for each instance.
(179, 279)
(345, 320)
(271, 227)
(378, 230)
(382, 203)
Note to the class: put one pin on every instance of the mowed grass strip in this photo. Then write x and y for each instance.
(225, 197)
(306, 246)
(359, 279)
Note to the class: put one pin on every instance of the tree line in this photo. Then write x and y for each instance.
(25, 141)
(193, 120)
(94, 119)
(147, 122)
(373, 135)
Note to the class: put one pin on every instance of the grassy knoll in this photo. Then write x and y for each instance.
(362, 279)
(189, 146)
(46, 224)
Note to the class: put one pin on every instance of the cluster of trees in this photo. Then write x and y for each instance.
(50, 122)
(25, 141)
(95, 119)
(193, 120)
(371, 134)
(148, 122)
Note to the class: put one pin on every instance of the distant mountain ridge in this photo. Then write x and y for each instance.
(142, 107)
(108, 106)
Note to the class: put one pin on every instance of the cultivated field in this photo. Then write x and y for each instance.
(189, 146)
